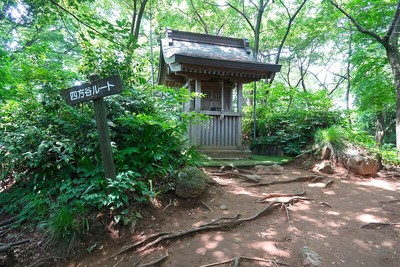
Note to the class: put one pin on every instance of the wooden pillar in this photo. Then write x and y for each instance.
(197, 107)
(104, 135)
(239, 88)
(197, 100)
(222, 96)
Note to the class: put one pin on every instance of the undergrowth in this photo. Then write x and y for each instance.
(51, 171)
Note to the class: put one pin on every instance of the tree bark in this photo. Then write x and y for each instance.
(394, 59)
(379, 133)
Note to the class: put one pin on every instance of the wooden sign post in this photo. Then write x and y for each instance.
(96, 90)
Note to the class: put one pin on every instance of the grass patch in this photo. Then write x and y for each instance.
(252, 161)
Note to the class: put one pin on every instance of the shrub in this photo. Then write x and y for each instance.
(293, 130)
(64, 229)
(51, 156)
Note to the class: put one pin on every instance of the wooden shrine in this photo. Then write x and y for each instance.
(217, 67)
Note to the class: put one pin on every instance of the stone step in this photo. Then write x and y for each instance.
(227, 154)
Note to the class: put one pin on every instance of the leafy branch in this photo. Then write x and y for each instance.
(86, 24)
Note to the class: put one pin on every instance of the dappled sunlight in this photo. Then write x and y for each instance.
(362, 244)
(243, 191)
(369, 218)
(210, 242)
(335, 224)
(331, 212)
(310, 220)
(270, 248)
(388, 244)
(305, 206)
(320, 236)
(294, 230)
(219, 255)
(329, 193)
(381, 184)
(270, 233)
(318, 185)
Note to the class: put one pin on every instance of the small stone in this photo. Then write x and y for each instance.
(311, 258)
(325, 167)
(224, 207)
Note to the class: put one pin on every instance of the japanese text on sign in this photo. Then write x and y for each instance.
(90, 91)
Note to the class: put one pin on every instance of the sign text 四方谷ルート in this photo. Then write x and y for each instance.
(90, 91)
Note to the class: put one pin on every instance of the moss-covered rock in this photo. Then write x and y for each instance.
(190, 182)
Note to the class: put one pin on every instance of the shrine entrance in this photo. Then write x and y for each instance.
(215, 67)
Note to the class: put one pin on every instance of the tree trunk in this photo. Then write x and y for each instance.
(379, 133)
(348, 71)
(394, 59)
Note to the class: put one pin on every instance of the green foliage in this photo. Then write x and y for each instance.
(372, 81)
(64, 229)
(49, 151)
(390, 155)
(294, 130)
(333, 138)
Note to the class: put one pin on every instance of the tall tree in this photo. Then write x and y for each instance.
(388, 39)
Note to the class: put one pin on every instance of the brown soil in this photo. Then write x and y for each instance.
(334, 232)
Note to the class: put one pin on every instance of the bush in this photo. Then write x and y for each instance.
(293, 130)
(51, 156)
(64, 229)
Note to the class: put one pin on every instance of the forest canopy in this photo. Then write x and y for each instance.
(340, 68)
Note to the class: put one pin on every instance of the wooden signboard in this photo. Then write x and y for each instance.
(94, 90)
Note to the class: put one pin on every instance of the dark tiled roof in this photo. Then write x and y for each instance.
(186, 52)
(204, 50)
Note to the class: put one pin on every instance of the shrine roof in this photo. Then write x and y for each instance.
(187, 52)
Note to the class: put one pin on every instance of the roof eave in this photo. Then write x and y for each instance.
(246, 66)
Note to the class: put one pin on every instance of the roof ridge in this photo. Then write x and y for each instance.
(207, 39)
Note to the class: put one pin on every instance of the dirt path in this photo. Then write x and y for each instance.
(334, 232)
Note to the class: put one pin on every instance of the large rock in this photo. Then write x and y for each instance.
(190, 182)
(272, 169)
(361, 165)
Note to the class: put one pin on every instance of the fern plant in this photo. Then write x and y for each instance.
(333, 138)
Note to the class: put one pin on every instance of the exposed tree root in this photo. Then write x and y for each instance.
(166, 207)
(329, 183)
(275, 195)
(5, 248)
(325, 204)
(7, 223)
(3, 232)
(377, 225)
(206, 206)
(244, 174)
(118, 262)
(8, 249)
(390, 201)
(300, 179)
(219, 224)
(236, 261)
(250, 177)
